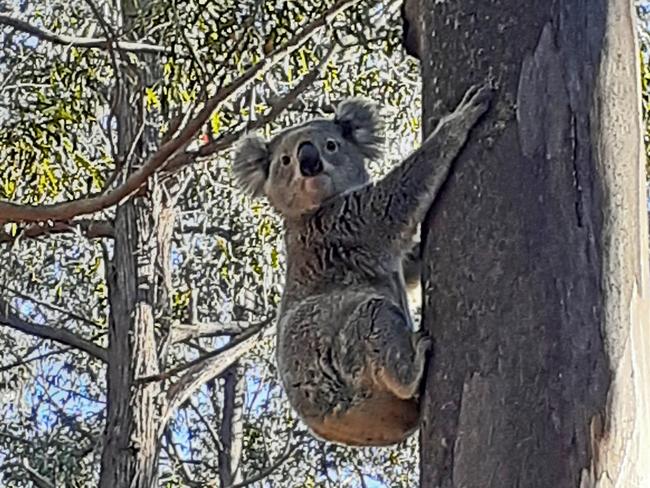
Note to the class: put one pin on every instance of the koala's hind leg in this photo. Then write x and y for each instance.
(395, 354)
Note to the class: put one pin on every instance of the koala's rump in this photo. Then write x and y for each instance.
(380, 420)
(328, 378)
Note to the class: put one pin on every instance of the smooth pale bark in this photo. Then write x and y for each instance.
(536, 283)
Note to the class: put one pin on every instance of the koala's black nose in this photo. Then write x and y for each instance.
(309, 159)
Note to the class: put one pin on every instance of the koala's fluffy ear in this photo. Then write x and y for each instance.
(360, 124)
(250, 165)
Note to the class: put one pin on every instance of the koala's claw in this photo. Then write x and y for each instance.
(424, 343)
(475, 103)
(477, 95)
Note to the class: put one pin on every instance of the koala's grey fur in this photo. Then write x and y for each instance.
(347, 354)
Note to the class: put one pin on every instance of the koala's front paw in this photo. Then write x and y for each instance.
(475, 103)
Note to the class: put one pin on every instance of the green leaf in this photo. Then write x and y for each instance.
(152, 99)
(215, 123)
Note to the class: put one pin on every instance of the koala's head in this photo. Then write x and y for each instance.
(301, 167)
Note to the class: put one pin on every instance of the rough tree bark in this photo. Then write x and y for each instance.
(138, 278)
(231, 429)
(536, 287)
(132, 440)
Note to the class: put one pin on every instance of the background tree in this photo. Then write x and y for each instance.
(137, 288)
(537, 282)
(88, 93)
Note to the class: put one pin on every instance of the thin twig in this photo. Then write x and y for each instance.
(227, 140)
(81, 42)
(40, 480)
(55, 308)
(111, 36)
(24, 361)
(10, 319)
(266, 472)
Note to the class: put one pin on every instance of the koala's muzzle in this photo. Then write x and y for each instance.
(309, 159)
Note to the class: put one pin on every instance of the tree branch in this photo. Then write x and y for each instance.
(90, 228)
(55, 308)
(9, 319)
(41, 481)
(251, 331)
(70, 209)
(210, 366)
(209, 426)
(27, 360)
(183, 332)
(207, 230)
(82, 42)
(266, 472)
(227, 140)
(174, 453)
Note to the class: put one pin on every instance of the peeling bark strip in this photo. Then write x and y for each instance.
(536, 284)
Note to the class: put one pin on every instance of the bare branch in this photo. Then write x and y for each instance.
(362, 478)
(227, 140)
(174, 453)
(111, 35)
(25, 360)
(70, 209)
(207, 230)
(183, 332)
(82, 42)
(251, 331)
(89, 228)
(56, 308)
(40, 481)
(210, 366)
(266, 472)
(10, 319)
(209, 427)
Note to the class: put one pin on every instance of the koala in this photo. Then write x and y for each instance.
(347, 354)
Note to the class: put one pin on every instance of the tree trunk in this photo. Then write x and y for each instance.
(132, 444)
(536, 282)
(231, 430)
(139, 280)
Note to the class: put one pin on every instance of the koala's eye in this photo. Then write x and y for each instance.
(285, 160)
(331, 145)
